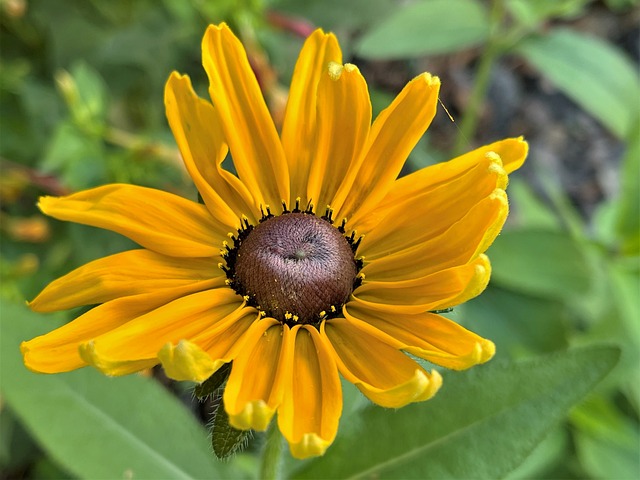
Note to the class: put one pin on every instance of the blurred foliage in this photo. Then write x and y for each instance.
(81, 88)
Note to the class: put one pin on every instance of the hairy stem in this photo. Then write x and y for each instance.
(272, 454)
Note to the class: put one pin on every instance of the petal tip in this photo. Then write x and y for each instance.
(430, 80)
(499, 195)
(88, 353)
(187, 361)
(44, 203)
(24, 349)
(311, 445)
(335, 71)
(487, 350)
(256, 415)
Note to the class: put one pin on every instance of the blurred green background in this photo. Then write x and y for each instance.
(81, 89)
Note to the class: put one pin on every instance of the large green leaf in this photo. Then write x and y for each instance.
(547, 263)
(593, 73)
(426, 27)
(483, 424)
(99, 427)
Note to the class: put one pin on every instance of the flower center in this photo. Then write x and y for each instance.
(295, 267)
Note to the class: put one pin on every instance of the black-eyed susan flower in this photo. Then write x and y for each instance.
(314, 260)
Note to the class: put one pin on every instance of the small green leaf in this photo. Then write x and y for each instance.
(596, 75)
(426, 28)
(214, 382)
(76, 158)
(86, 95)
(99, 427)
(225, 439)
(540, 262)
(483, 423)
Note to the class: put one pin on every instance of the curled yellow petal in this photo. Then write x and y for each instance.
(311, 445)
(384, 374)
(187, 361)
(425, 335)
(113, 367)
(258, 376)
(312, 403)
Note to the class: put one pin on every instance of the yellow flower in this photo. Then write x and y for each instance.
(314, 260)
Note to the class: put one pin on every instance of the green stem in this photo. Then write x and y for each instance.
(470, 117)
(272, 454)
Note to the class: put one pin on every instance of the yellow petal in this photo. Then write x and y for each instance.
(157, 220)
(225, 343)
(113, 368)
(426, 335)
(344, 118)
(299, 126)
(248, 127)
(197, 130)
(57, 351)
(381, 372)
(477, 284)
(461, 243)
(432, 212)
(511, 151)
(181, 319)
(256, 384)
(393, 135)
(312, 404)
(120, 275)
(208, 350)
(187, 361)
(439, 290)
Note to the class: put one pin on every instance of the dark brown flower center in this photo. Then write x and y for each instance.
(295, 267)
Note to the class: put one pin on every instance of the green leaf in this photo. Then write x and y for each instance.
(99, 427)
(76, 158)
(539, 262)
(483, 424)
(225, 439)
(596, 75)
(627, 224)
(426, 28)
(336, 14)
(548, 453)
(606, 441)
(517, 323)
(531, 211)
(89, 104)
(214, 382)
(531, 13)
(621, 4)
